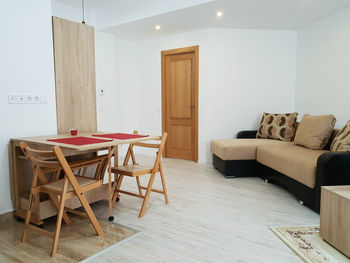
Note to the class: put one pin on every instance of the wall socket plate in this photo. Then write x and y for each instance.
(27, 99)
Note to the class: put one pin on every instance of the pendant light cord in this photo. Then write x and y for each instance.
(83, 7)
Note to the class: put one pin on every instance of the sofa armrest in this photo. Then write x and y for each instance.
(333, 168)
(246, 134)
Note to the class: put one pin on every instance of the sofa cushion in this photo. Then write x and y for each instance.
(292, 160)
(240, 149)
(341, 142)
(314, 131)
(278, 126)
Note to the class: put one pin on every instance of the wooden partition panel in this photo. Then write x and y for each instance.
(74, 51)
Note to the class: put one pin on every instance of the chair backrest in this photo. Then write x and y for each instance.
(159, 146)
(67, 169)
(49, 161)
(45, 160)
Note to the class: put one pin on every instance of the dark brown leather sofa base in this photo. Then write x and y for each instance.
(240, 168)
(251, 168)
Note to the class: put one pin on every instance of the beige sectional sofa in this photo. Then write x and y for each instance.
(301, 170)
(292, 160)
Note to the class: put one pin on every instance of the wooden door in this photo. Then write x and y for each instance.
(74, 51)
(180, 102)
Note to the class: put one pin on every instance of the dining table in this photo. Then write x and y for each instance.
(85, 144)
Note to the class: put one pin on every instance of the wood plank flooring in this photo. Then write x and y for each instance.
(78, 240)
(209, 219)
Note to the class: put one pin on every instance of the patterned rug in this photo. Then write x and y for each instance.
(306, 242)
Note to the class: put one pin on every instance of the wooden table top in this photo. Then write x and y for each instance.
(343, 191)
(43, 140)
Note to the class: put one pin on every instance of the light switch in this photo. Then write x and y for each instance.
(101, 92)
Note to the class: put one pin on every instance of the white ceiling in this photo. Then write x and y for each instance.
(89, 3)
(244, 14)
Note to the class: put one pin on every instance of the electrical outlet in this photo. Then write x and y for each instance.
(42, 99)
(12, 99)
(101, 92)
(21, 99)
(27, 99)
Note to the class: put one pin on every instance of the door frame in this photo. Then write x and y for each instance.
(164, 53)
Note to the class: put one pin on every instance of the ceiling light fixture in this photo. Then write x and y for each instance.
(219, 13)
(157, 27)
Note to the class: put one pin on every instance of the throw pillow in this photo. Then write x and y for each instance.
(341, 142)
(314, 131)
(278, 126)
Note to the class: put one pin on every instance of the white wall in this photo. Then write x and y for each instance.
(251, 71)
(323, 82)
(241, 74)
(72, 13)
(117, 109)
(26, 66)
(106, 80)
(128, 84)
(116, 74)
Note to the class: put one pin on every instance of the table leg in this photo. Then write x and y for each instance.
(110, 153)
(116, 176)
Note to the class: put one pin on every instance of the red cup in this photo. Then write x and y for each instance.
(73, 132)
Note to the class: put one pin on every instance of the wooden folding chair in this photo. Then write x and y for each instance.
(136, 170)
(44, 162)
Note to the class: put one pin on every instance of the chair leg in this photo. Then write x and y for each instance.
(27, 221)
(57, 204)
(58, 224)
(148, 191)
(114, 187)
(90, 214)
(138, 185)
(163, 183)
(33, 194)
(117, 187)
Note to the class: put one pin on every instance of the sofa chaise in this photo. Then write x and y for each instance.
(301, 170)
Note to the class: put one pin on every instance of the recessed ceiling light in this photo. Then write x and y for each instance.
(157, 27)
(219, 13)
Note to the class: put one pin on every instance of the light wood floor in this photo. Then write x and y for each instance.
(209, 219)
(78, 241)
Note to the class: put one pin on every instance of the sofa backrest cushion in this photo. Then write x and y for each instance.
(341, 142)
(314, 132)
(278, 126)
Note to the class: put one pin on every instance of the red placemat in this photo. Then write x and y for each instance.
(120, 136)
(79, 140)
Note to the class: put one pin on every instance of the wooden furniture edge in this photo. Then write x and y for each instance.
(332, 189)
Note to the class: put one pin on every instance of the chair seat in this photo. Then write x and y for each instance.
(82, 181)
(133, 169)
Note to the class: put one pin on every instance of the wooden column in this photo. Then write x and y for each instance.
(74, 52)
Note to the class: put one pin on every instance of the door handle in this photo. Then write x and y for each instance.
(191, 107)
